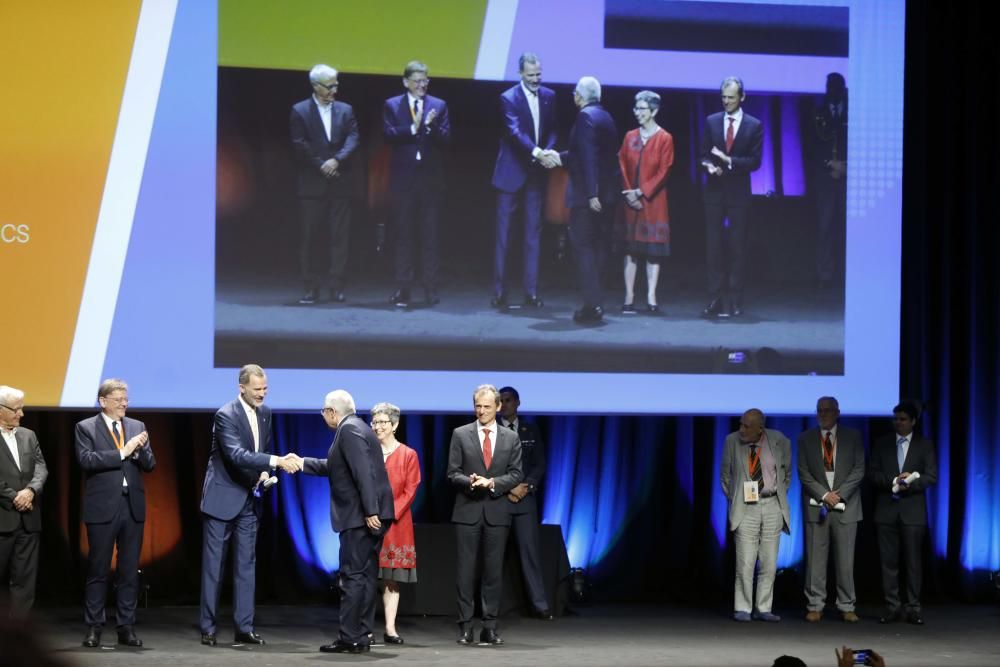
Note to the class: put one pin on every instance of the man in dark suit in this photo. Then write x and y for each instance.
(731, 147)
(416, 125)
(361, 509)
(239, 465)
(484, 463)
(528, 113)
(114, 452)
(594, 187)
(829, 178)
(903, 465)
(524, 500)
(324, 138)
(831, 469)
(22, 476)
(755, 473)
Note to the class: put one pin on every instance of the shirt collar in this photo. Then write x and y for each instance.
(246, 406)
(738, 115)
(108, 421)
(528, 92)
(321, 105)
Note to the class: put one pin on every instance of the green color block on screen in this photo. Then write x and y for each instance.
(370, 37)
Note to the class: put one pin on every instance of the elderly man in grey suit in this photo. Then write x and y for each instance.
(484, 463)
(755, 473)
(831, 468)
(22, 475)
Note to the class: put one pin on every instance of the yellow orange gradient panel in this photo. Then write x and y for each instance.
(67, 63)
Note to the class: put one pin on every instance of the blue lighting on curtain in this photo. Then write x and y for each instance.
(720, 506)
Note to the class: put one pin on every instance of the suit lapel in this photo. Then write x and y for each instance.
(246, 435)
(104, 434)
(316, 120)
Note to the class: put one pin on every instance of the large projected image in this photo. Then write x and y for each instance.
(728, 262)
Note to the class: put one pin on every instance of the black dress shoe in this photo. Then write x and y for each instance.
(308, 298)
(392, 639)
(713, 309)
(93, 638)
(629, 309)
(652, 309)
(401, 298)
(465, 638)
(499, 301)
(532, 301)
(431, 296)
(344, 647)
(914, 618)
(249, 638)
(736, 308)
(208, 638)
(890, 617)
(589, 314)
(338, 296)
(127, 638)
(488, 636)
(543, 614)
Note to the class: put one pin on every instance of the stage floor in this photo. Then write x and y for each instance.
(625, 635)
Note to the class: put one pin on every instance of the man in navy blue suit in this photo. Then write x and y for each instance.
(528, 112)
(416, 125)
(324, 137)
(361, 509)
(594, 186)
(114, 452)
(731, 146)
(238, 466)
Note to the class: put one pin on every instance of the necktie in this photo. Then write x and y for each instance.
(730, 135)
(756, 473)
(900, 452)
(416, 108)
(487, 448)
(116, 436)
(512, 427)
(827, 452)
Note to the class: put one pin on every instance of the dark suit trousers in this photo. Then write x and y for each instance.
(725, 250)
(525, 527)
(325, 240)
(216, 536)
(359, 550)
(831, 221)
(529, 201)
(125, 532)
(19, 551)
(912, 537)
(415, 218)
(587, 234)
(474, 541)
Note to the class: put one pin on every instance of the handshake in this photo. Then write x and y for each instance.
(290, 463)
(549, 159)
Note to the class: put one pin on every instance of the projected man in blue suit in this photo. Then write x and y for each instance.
(416, 125)
(361, 509)
(238, 465)
(528, 112)
(731, 147)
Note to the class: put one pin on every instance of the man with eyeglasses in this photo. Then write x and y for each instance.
(22, 476)
(416, 126)
(114, 452)
(324, 136)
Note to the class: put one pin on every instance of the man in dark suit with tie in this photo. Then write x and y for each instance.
(324, 139)
(239, 465)
(829, 178)
(416, 125)
(903, 465)
(831, 469)
(114, 452)
(484, 464)
(361, 509)
(594, 187)
(731, 147)
(22, 476)
(524, 500)
(528, 112)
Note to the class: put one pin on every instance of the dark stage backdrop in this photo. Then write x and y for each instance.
(644, 489)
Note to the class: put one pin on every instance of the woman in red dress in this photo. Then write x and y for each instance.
(646, 155)
(398, 559)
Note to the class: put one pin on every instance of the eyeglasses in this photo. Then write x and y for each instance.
(419, 82)
(329, 88)
(123, 400)
(15, 410)
(381, 422)
(640, 109)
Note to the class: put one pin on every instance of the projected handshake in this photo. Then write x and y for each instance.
(290, 463)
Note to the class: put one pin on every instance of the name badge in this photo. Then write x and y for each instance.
(751, 493)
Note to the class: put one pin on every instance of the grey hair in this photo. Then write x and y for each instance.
(650, 98)
(341, 402)
(251, 370)
(589, 89)
(527, 58)
(321, 72)
(756, 413)
(110, 386)
(733, 79)
(388, 409)
(486, 389)
(10, 394)
(413, 67)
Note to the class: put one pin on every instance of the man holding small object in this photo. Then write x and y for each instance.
(755, 472)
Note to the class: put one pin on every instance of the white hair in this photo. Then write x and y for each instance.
(589, 89)
(340, 402)
(321, 72)
(10, 395)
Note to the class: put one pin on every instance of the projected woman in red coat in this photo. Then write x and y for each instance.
(398, 558)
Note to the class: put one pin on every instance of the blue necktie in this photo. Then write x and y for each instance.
(900, 453)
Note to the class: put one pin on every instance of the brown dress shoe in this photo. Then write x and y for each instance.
(813, 616)
(850, 617)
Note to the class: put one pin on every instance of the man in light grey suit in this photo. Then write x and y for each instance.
(755, 473)
(22, 475)
(831, 467)
(484, 463)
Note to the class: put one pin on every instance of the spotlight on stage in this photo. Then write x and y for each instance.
(579, 586)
